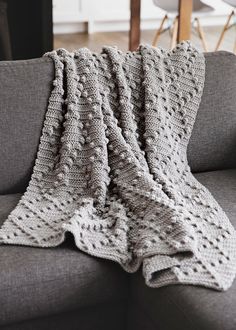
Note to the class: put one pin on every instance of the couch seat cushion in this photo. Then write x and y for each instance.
(190, 307)
(37, 282)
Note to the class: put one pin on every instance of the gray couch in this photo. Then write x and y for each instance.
(63, 288)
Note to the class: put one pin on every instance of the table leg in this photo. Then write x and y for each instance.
(184, 26)
(134, 33)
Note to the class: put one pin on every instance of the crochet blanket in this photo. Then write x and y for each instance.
(112, 169)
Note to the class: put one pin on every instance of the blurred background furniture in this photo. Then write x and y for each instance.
(34, 25)
(227, 25)
(30, 27)
(200, 8)
(184, 21)
(5, 43)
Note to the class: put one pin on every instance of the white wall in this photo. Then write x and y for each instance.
(71, 16)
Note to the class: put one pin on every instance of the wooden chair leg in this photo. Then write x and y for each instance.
(159, 31)
(201, 34)
(225, 28)
(174, 33)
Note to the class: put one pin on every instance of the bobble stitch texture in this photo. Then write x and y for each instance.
(112, 168)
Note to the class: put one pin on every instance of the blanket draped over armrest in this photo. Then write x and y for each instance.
(112, 169)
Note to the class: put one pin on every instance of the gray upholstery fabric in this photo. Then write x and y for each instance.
(24, 92)
(187, 307)
(213, 142)
(99, 317)
(34, 282)
(37, 282)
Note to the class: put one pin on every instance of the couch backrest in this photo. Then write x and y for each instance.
(213, 142)
(24, 91)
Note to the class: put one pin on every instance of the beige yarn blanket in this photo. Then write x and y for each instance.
(112, 169)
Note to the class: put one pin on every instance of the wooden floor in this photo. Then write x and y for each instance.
(96, 40)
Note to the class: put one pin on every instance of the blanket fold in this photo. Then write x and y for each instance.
(112, 168)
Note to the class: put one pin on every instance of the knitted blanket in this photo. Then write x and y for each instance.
(112, 169)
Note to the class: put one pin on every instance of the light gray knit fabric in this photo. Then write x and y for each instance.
(112, 168)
